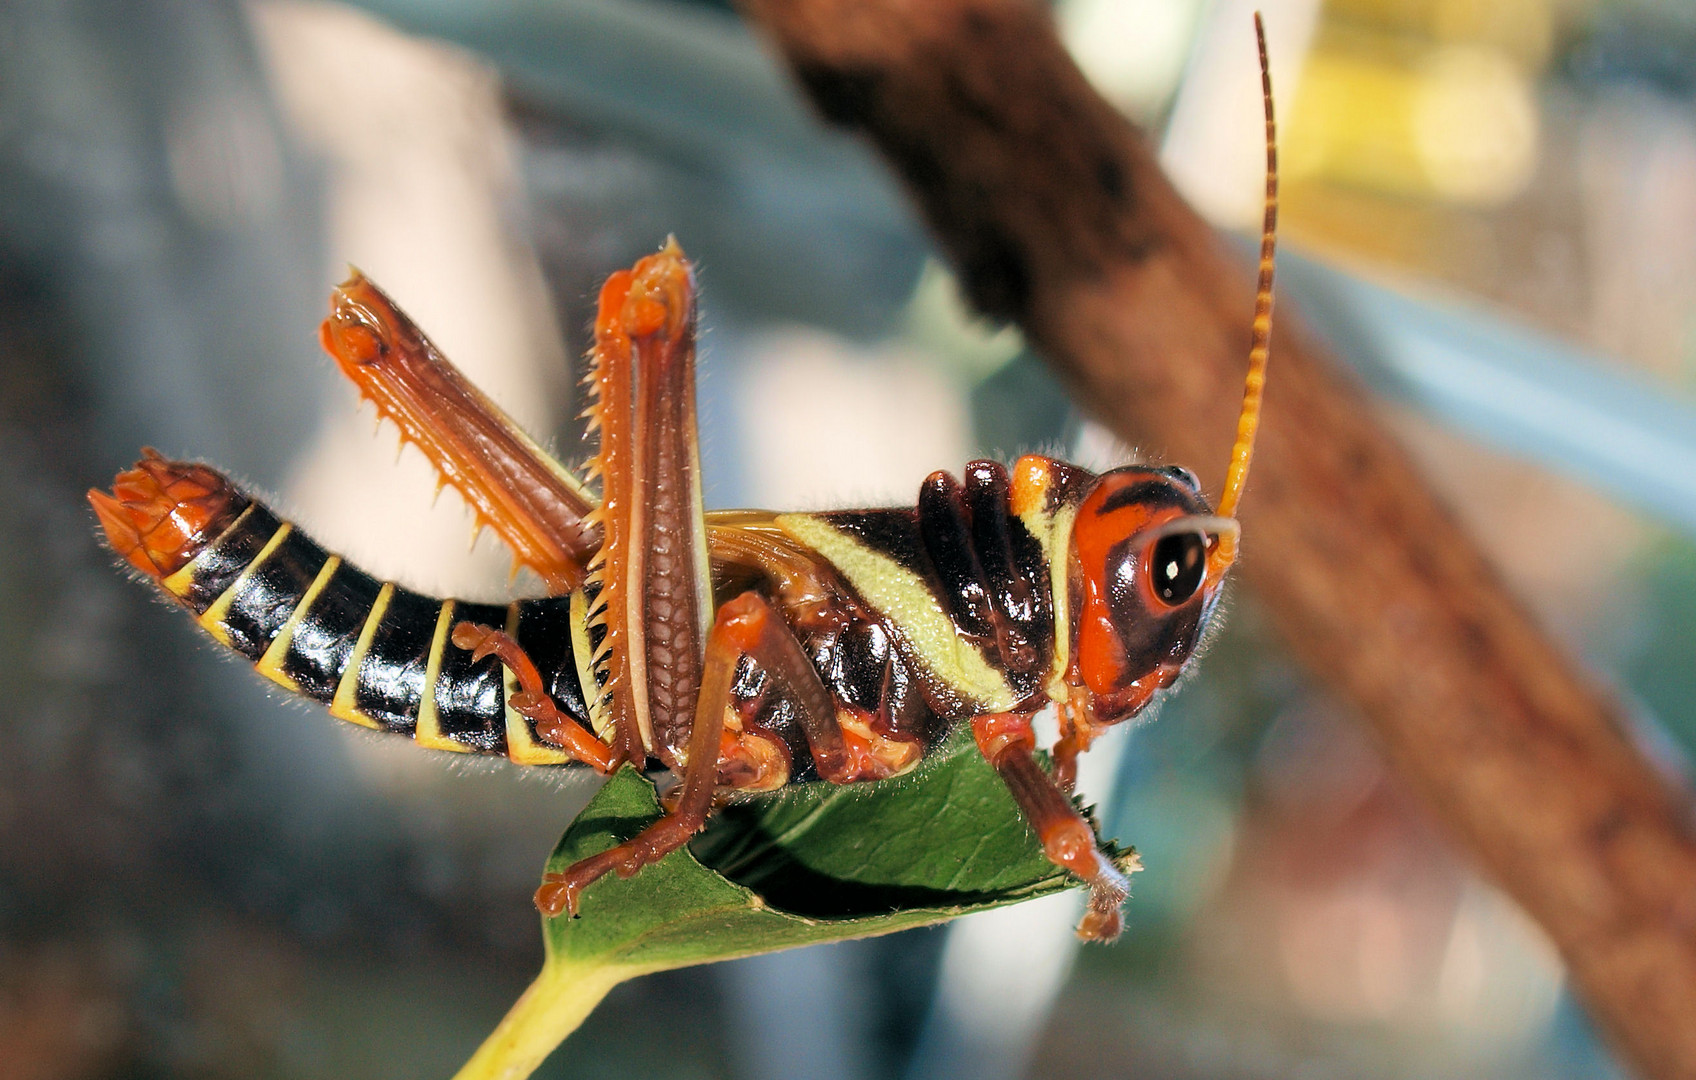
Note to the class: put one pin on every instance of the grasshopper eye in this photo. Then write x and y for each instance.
(1176, 566)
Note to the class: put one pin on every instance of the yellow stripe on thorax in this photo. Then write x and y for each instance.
(904, 598)
(1054, 532)
(270, 665)
(212, 620)
(345, 705)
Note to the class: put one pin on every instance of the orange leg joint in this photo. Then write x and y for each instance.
(870, 754)
(998, 734)
(752, 761)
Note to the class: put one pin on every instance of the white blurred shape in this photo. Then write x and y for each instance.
(421, 179)
(1098, 449)
(1500, 979)
(941, 322)
(811, 1009)
(1347, 955)
(1215, 146)
(226, 167)
(1002, 969)
(1637, 165)
(828, 424)
(1475, 124)
(1132, 50)
(420, 182)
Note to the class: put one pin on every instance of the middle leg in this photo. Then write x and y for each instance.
(738, 631)
(532, 700)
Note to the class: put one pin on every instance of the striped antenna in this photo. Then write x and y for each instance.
(1248, 421)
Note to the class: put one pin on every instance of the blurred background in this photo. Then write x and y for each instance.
(1489, 209)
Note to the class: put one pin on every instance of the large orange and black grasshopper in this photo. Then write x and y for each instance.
(744, 650)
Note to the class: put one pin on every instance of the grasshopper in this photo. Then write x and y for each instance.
(742, 650)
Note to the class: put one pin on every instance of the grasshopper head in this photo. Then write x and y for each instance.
(1151, 554)
(1142, 547)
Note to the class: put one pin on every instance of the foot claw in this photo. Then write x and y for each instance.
(471, 636)
(1104, 918)
(556, 895)
(1101, 925)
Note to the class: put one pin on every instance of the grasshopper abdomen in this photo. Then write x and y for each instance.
(379, 655)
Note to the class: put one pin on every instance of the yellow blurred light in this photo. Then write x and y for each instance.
(1456, 123)
(1524, 29)
(1475, 125)
(1348, 123)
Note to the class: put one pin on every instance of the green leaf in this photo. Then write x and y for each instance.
(811, 864)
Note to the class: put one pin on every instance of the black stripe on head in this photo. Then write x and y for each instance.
(1157, 492)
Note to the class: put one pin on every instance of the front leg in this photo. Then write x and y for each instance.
(1007, 741)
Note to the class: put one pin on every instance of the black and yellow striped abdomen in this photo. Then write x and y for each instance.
(377, 654)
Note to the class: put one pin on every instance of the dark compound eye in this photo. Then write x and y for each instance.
(1182, 476)
(1177, 565)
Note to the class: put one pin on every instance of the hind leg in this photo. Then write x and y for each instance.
(648, 577)
(541, 511)
(747, 626)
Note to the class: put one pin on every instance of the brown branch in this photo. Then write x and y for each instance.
(1057, 216)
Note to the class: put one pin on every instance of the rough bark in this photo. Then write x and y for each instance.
(1056, 215)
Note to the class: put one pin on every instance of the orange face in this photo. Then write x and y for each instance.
(1146, 590)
